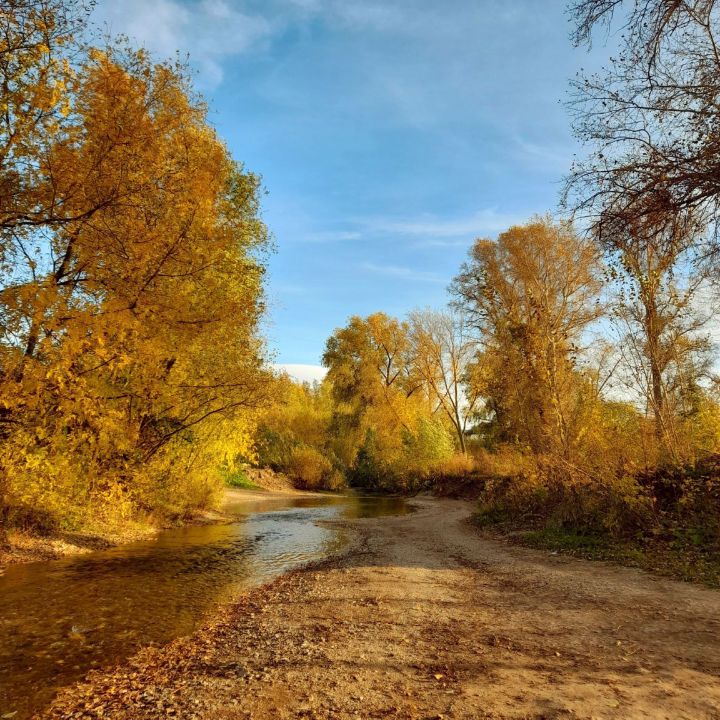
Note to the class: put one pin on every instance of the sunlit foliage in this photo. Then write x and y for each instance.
(392, 419)
(130, 279)
(294, 436)
(531, 294)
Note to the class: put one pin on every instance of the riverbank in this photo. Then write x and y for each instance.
(681, 557)
(424, 618)
(26, 547)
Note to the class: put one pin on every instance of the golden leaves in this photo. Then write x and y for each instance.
(129, 317)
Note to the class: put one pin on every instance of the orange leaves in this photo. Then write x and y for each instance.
(532, 294)
(130, 283)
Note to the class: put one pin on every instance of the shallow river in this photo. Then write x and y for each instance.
(61, 618)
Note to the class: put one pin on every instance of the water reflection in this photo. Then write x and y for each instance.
(59, 619)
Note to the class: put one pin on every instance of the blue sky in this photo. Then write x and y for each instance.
(389, 135)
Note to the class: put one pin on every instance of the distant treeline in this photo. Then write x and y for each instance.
(571, 379)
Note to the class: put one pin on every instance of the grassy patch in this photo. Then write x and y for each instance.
(680, 557)
(239, 480)
(568, 541)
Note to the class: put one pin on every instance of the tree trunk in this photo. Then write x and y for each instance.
(657, 393)
(560, 422)
(460, 434)
(4, 541)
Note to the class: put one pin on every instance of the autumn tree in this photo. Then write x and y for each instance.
(649, 186)
(650, 119)
(368, 362)
(382, 408)
(443, 354)
(650, 256)
(531, 295)
(131, 276)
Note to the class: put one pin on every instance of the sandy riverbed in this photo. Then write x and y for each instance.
(423, 618)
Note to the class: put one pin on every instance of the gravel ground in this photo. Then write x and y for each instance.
(424, 618)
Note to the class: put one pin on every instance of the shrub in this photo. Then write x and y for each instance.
(517, 498)
(457, 466)
(554, 496)
(687, 495)
(504, 461)
(312, 470)
(429, 443)
(456, 476)
(273, 447)
(335, 481)
(29, 518)
(369, 469)
(238, 478)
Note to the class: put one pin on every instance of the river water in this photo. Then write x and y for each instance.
(61, 618)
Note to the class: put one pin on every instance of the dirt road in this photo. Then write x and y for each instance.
(425, 619)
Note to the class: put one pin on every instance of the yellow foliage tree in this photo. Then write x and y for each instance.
(131, 269)
(531, 294)
(383, 402)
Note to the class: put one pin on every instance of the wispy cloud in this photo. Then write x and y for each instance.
(434, 230)
(425, 230)
(555, 157)
(403, 273)
(211, 31)
(330, 236)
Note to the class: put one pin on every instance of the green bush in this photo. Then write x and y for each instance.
(238, 478)
(273, 447)
(369, 471)
(429, 443)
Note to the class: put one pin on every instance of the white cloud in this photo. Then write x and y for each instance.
(301, 372)
(436, 230)
(209, 30)
(403, 273)
(330, 236)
